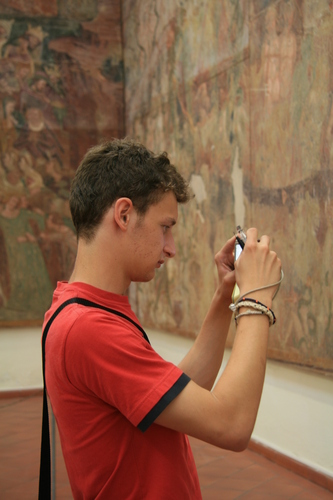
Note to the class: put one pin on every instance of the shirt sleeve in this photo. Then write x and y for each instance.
(107, 357)
(166, 399)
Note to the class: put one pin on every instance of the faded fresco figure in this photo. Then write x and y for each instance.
(58, 244)
(29, 283)
(12, 121)
(288, 50)
(12, 180)
(33, 181)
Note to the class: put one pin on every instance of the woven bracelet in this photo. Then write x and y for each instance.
(258, 308)
(268, 314)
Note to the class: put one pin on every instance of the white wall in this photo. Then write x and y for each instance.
(20, 359)
(295, 416)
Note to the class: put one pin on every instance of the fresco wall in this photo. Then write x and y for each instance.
(240, 95)
(61, 91)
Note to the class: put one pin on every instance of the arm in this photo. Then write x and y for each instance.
(204, 359)
(226, 416)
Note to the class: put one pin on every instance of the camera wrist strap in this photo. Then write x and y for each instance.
(45, 452)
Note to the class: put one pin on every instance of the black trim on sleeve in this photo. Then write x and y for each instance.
(165, 400)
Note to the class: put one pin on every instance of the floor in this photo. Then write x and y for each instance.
(223, 475)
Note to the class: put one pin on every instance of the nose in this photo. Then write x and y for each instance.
(169, 246)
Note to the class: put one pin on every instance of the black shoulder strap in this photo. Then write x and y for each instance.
(45, 453)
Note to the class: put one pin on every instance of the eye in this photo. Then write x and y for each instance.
(165, 228)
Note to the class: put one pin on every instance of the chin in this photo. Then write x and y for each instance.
(149, 278)
(144, 279)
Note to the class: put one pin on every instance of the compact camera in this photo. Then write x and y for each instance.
(240, 242)
(239, 246)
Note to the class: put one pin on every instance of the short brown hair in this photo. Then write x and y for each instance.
(116, 169)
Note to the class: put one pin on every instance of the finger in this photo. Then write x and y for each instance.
(252, 235)
(227, 249)
(229, 245)
(265, 240)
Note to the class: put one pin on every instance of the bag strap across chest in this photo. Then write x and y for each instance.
(45, 453)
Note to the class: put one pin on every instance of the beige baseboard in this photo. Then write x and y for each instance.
(21, 393)
(294, 466)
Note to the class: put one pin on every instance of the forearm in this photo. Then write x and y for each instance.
(204, 359)
(239, 388)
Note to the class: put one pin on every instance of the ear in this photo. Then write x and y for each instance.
(123, 209)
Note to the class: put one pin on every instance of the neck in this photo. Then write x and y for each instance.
(97, 269)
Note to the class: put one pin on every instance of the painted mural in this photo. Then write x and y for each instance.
(240, 95)
(61, 91)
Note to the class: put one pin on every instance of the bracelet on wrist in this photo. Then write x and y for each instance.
(254, 307)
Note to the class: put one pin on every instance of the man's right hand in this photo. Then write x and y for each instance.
(258, 266)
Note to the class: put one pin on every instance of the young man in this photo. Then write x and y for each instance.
(123, 413)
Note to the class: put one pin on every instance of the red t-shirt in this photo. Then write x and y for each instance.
(107, 385)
